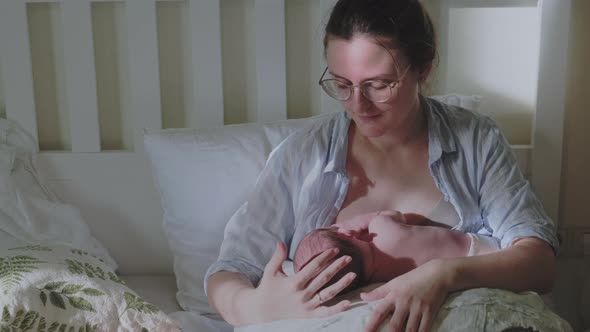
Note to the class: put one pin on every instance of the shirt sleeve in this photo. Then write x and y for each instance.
(507, 200)
(252, 233)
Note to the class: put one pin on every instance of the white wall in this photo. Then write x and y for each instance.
(495, 52)
(574, 205)
(492, 52)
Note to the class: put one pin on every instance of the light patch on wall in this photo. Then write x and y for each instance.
(494, 52)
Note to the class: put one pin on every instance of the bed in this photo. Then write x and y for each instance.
(105, 93)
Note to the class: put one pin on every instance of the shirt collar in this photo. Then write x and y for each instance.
(440, 138)
(440, 135)
(338, 145)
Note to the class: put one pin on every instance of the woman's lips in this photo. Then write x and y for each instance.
(368, 116)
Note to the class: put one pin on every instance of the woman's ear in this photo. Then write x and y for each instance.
(425, 73)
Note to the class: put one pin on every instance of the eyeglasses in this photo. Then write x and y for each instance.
(378, 91)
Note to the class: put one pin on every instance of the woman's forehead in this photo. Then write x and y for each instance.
(361, 57)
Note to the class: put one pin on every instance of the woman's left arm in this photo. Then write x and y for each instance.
(415, 297)
(528, 265)
(511, 212)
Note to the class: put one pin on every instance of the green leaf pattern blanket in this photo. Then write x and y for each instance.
(60, 289)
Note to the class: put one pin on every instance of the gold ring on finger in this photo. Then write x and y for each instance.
(320, 297)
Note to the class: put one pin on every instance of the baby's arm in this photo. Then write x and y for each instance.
(420, 220)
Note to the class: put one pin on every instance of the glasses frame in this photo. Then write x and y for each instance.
(391, 85)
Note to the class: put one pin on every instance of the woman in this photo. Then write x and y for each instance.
(391, 150)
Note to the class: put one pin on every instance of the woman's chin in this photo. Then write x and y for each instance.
(370, 126)
(375, 130)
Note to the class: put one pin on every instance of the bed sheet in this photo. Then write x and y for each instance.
(482, 309)
(161, 291)
(158, 290)
(195, 322)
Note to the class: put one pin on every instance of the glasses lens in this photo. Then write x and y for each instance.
(376, 91)
(336, 89)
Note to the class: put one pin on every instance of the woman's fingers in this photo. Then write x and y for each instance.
(398, 320)
(382, 310)
(331, 291)
(314, 267)
(324, 311)
(277, 259)
(414, 320)
(376, 294)
(426, 321)
(326, 275)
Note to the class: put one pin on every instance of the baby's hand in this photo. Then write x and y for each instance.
(341, 229)
(420, 220)
(415, 219)
(394, 216)
(347, 230)
(361, 233)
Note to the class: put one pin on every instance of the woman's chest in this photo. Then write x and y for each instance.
(406, 186)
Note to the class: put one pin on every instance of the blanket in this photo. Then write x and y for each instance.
(481, 309)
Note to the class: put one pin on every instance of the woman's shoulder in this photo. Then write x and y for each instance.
(318, 136)
(460, 122)
(457, 112)
(316, 132)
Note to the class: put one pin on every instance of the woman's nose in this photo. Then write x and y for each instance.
(358, 101)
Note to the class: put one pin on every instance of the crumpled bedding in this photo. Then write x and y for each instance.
(29, 210)
(481, 309)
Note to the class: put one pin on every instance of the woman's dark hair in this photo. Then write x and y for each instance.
(404, 23)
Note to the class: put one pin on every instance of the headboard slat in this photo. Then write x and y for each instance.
(271, 86)
(16, 65)
(205, 44)
(327, 104)
(143, 65)
(80, 75)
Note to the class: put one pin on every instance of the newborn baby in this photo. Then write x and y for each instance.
(386, 244)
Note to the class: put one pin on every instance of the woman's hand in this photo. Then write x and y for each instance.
(280, 296)
(414, 299)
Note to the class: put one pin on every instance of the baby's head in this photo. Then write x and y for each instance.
(323, 239)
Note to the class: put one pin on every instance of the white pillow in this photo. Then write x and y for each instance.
(468, 102)
(203, 177)
(29, 210)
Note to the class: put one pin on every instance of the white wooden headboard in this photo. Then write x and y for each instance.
(113, 186)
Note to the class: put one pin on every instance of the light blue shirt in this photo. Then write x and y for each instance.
(304, 183)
